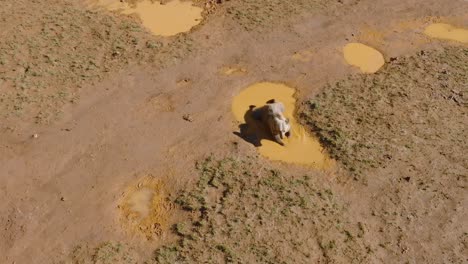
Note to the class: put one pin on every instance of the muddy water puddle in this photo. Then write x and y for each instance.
(447, 32)
(145, 209)
(161, 19)
(367, 59)
(300, 147)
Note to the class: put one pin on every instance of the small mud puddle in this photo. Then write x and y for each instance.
(162, 19)
(369, 60)
(145, 209)
(446, 31)
(300, 148)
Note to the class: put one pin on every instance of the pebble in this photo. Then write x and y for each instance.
(188, 118)
(35, 136)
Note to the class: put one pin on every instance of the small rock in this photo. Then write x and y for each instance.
(35, 136)
(187, 117)
(183, 81)
(62, 199)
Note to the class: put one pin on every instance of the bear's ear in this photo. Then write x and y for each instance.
(251, 107)
(271, 101)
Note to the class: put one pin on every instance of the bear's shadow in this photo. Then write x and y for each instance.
(253, 130)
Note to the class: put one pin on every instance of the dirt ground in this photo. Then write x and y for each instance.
(91, 102)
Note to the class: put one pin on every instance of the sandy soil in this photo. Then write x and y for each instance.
(106, 101)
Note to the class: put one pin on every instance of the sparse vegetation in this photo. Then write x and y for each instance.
(403, 130)
(247, 214)
(407, 107)
(106, 253)
(43, 65)
(261, 15)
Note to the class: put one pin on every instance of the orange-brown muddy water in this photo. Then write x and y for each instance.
(300, 148)
(161, 19)
(448, 32)
(368, 59)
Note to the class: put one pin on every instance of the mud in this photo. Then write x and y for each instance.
(367, 59)
(166, 19)
(145, 208)
(140, 202)
(300, 147)
(447, 32)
